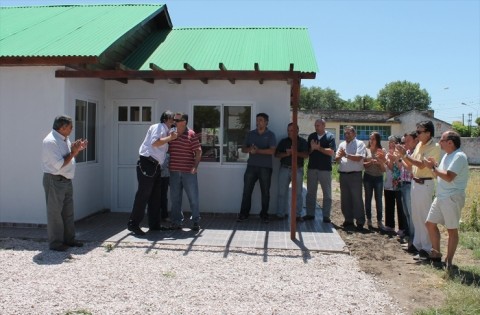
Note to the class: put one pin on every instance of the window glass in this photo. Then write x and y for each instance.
(85, 128)
(146, 113)
(123, 113)
(207, 124)
(225, 125)
(236, 125)
(134, 113)
(363, 132)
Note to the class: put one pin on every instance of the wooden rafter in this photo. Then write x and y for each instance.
(188, 67)
(223, 68)
(154, 67)
(257, 69)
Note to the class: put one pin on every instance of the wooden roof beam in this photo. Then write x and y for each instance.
(223, 68)
(121, 66)
(188, 67)
(154, 67)
(257, 69)
(47, 61)
(186, 75)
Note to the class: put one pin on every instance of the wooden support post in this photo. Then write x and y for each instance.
(295, 105)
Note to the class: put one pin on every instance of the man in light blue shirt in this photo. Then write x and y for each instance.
(446, 209)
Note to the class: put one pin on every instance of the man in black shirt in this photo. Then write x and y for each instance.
(321, 145)
(284, 153)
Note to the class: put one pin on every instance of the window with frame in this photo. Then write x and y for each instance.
(86, 128)
(222, 130)
(363, 132)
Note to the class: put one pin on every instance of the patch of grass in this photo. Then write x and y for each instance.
(460, 300)
(169, 274)
(109, 248)
(470, 214)
(462, 286)
(79, 312)
(471, 240)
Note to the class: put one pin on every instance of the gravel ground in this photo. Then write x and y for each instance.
(137, 279)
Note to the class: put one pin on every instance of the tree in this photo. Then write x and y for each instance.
(365, 102)
(461, 129)
(318, 98)
(400, 96)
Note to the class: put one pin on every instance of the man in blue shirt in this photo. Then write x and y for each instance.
(446, 209)
(260, 143)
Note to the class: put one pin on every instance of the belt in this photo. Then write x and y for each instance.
(59, 177)
(421, 180)
(149, 159)
(350, 172)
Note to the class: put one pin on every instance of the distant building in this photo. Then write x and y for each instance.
(367, 121)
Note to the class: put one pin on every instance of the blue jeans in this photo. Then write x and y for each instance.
(407, 207)
(314, 177)
(252, 174)
(180, 181)
(284, 179)
(373, 184)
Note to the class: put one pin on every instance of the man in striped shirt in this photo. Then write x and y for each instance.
(185, 155)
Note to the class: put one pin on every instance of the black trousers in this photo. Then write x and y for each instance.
(148, 194)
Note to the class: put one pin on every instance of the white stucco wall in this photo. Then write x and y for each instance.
(30, 98)
(220, 185)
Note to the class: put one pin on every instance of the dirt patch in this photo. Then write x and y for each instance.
(414, 285)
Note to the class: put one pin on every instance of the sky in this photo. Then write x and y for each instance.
(360, 46)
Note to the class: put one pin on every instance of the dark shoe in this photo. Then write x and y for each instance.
(308, 217)
(175, 227)
(60, 248)
(195, 227)
(299, 219)
(264, 219)
(281, 217)
(423, 253)
(75, 244)
(242, 218)
(158, 228)
(327, 220)
(136, 230)
(435, 259)
(411, 249)
(346, 224)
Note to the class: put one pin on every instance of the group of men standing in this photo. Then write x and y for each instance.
(171, 152)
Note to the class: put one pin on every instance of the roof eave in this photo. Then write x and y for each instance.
(47, 60)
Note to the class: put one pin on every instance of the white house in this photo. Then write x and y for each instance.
(114, 69)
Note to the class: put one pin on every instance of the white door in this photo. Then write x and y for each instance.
(133, 118)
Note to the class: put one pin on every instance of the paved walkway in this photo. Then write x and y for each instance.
(220, 230)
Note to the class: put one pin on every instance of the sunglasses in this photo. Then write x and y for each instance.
(178, 120)
(420, 131)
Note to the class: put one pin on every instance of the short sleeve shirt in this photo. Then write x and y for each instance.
(457, 163)
(285, 144)
(265, 140)
(425, 151)
(355, 147)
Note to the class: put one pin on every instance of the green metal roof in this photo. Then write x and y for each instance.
(273, 48)
(70, 30)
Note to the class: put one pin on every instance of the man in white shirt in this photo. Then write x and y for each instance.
(350, 156)
(152, 151)
(58, 165)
